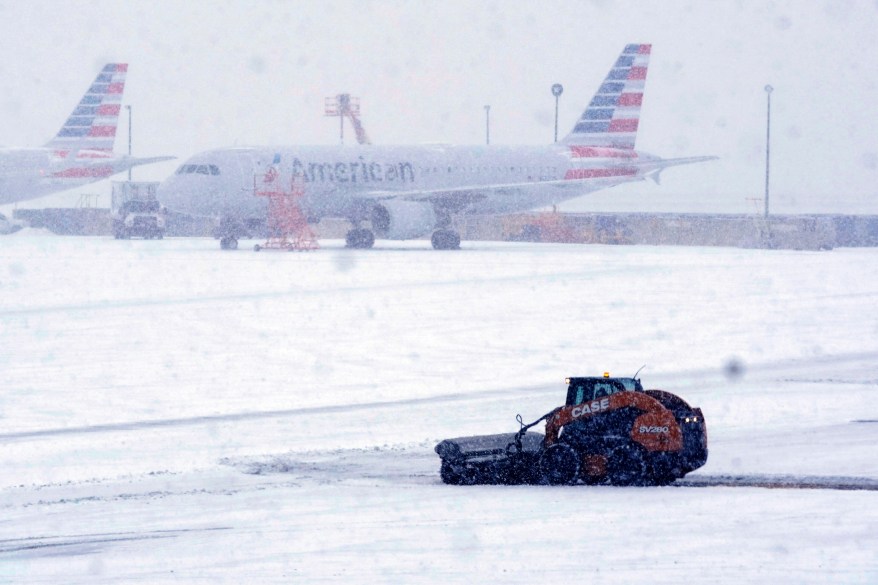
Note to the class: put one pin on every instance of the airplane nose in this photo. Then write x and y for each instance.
(191, 194)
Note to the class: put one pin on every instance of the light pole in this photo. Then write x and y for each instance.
(487, 125)
(768, 90)
(129, 139)
(557, 90)
(344, 103)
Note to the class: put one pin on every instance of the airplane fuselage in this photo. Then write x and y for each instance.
(82, 150)
(27, 173)
(337, 181)
(409, 191)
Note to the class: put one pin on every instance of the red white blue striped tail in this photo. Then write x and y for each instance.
(91, 128)
(612, 116)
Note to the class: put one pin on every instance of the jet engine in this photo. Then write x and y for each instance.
(403, 220)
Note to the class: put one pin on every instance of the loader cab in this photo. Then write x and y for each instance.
(581, 390)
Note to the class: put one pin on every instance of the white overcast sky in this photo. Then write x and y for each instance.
(213, 74)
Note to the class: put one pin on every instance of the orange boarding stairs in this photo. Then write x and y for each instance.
(288, 227)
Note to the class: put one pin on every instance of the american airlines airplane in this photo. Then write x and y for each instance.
(404, 192)
(81, 152)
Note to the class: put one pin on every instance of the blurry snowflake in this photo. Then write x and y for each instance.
(734, 369)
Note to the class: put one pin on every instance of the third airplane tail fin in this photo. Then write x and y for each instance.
(91, 128)
(613, 114)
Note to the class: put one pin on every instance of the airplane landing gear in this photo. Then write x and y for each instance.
(445, 240)
(228, 231)
(360, 238)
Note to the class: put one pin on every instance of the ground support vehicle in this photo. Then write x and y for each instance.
(7, 226)
(610, 431)
(136, 212)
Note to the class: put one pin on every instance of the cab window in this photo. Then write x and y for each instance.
(602, 389)
(628, 383)
(588, 390)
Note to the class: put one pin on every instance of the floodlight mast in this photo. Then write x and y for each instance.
(768, 90)
(557, 90)
(128, 107)
(487, 125)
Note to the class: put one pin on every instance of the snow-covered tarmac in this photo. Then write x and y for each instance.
(173, 413)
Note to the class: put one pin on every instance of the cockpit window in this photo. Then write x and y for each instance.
(199, 169)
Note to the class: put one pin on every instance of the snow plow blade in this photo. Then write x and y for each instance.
(490, 459)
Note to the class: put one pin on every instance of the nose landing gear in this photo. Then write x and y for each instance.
(445, 239)
(360, 238)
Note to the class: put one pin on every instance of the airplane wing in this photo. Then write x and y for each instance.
(123, 163)
(118, 163)
(662, 164)
(671, 162)
(471, 193)
(475, 192)
(112, 166)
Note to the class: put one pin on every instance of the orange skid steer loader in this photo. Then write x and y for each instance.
(610, 431)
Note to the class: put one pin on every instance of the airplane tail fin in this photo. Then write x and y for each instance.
(612, 116)
(91, 128)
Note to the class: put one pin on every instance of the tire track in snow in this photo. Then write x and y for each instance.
(404, 465)
(754, 372)
(268, 414)
(807, 482)
(37, 543)
(395, 287)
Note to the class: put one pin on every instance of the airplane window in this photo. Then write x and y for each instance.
(214, 170)
(190, 169)
(202, 170)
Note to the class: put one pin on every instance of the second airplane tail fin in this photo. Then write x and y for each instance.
(91, 128)
(613, 114)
